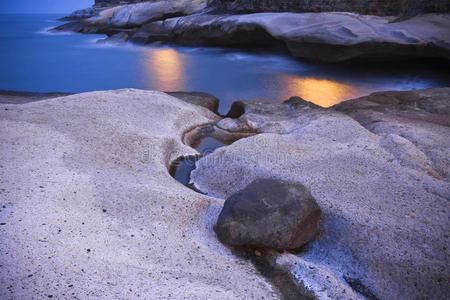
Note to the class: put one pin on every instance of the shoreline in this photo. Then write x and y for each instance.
(342, 154)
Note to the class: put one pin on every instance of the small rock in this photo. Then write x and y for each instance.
(269, 213)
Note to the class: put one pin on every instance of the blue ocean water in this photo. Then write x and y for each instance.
(32, 59)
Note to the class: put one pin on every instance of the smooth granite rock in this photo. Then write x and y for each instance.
(269, 213)
(198, 98)
(330, 37)
(321, 36)
(88, 208)
(384, 225)
(142, 13)
(421, 117)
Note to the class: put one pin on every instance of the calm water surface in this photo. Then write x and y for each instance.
(33, 60)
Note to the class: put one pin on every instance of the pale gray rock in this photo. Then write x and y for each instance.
(88, 208)
(140, 13)
(384, 227)
(83, 14)
(422, 117)
(320, 36)
(198, 98)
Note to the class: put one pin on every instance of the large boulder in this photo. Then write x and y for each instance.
(269, 213)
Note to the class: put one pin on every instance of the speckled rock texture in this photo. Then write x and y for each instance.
(383, 190)
(269, 213)
(88, 208)
(418, 117)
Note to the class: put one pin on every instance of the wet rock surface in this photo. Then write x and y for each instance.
(269, 214)
(375, 166)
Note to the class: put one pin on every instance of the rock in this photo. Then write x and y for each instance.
(117, 38)
(270, 214)
(324, 36)
(330, 37)
(198, 98)
(421, 117)
(82, 14)
(384, 211)
(132, 15)
(233, 125)
(15, 97)
(386, 8)
(103, 159)
(116, 2)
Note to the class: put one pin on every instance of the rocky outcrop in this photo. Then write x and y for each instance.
(377, 168)
(330, 37)
(373, 7)
(376, 7)
(103, 3)
(198, 98)
(88, 208)
(401, 118)
(269, 214)
(83, 14)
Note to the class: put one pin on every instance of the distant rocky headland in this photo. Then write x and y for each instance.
(331, 31)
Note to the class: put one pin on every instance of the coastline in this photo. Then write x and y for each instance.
(114, 213)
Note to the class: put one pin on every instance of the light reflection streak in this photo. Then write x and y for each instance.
(165, 70)
(323, 92)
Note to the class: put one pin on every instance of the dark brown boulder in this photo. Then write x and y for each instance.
(269, 213)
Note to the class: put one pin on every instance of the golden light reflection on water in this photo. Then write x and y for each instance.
(322, 92)
(165, 70)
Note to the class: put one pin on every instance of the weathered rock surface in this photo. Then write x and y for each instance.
(89, 210)
(418, 117)
(320, 36)
(385, 8)
(141, 13)
(198, 98)
(384, 227)
(269, 213)
(330, 37)
(83, 14)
